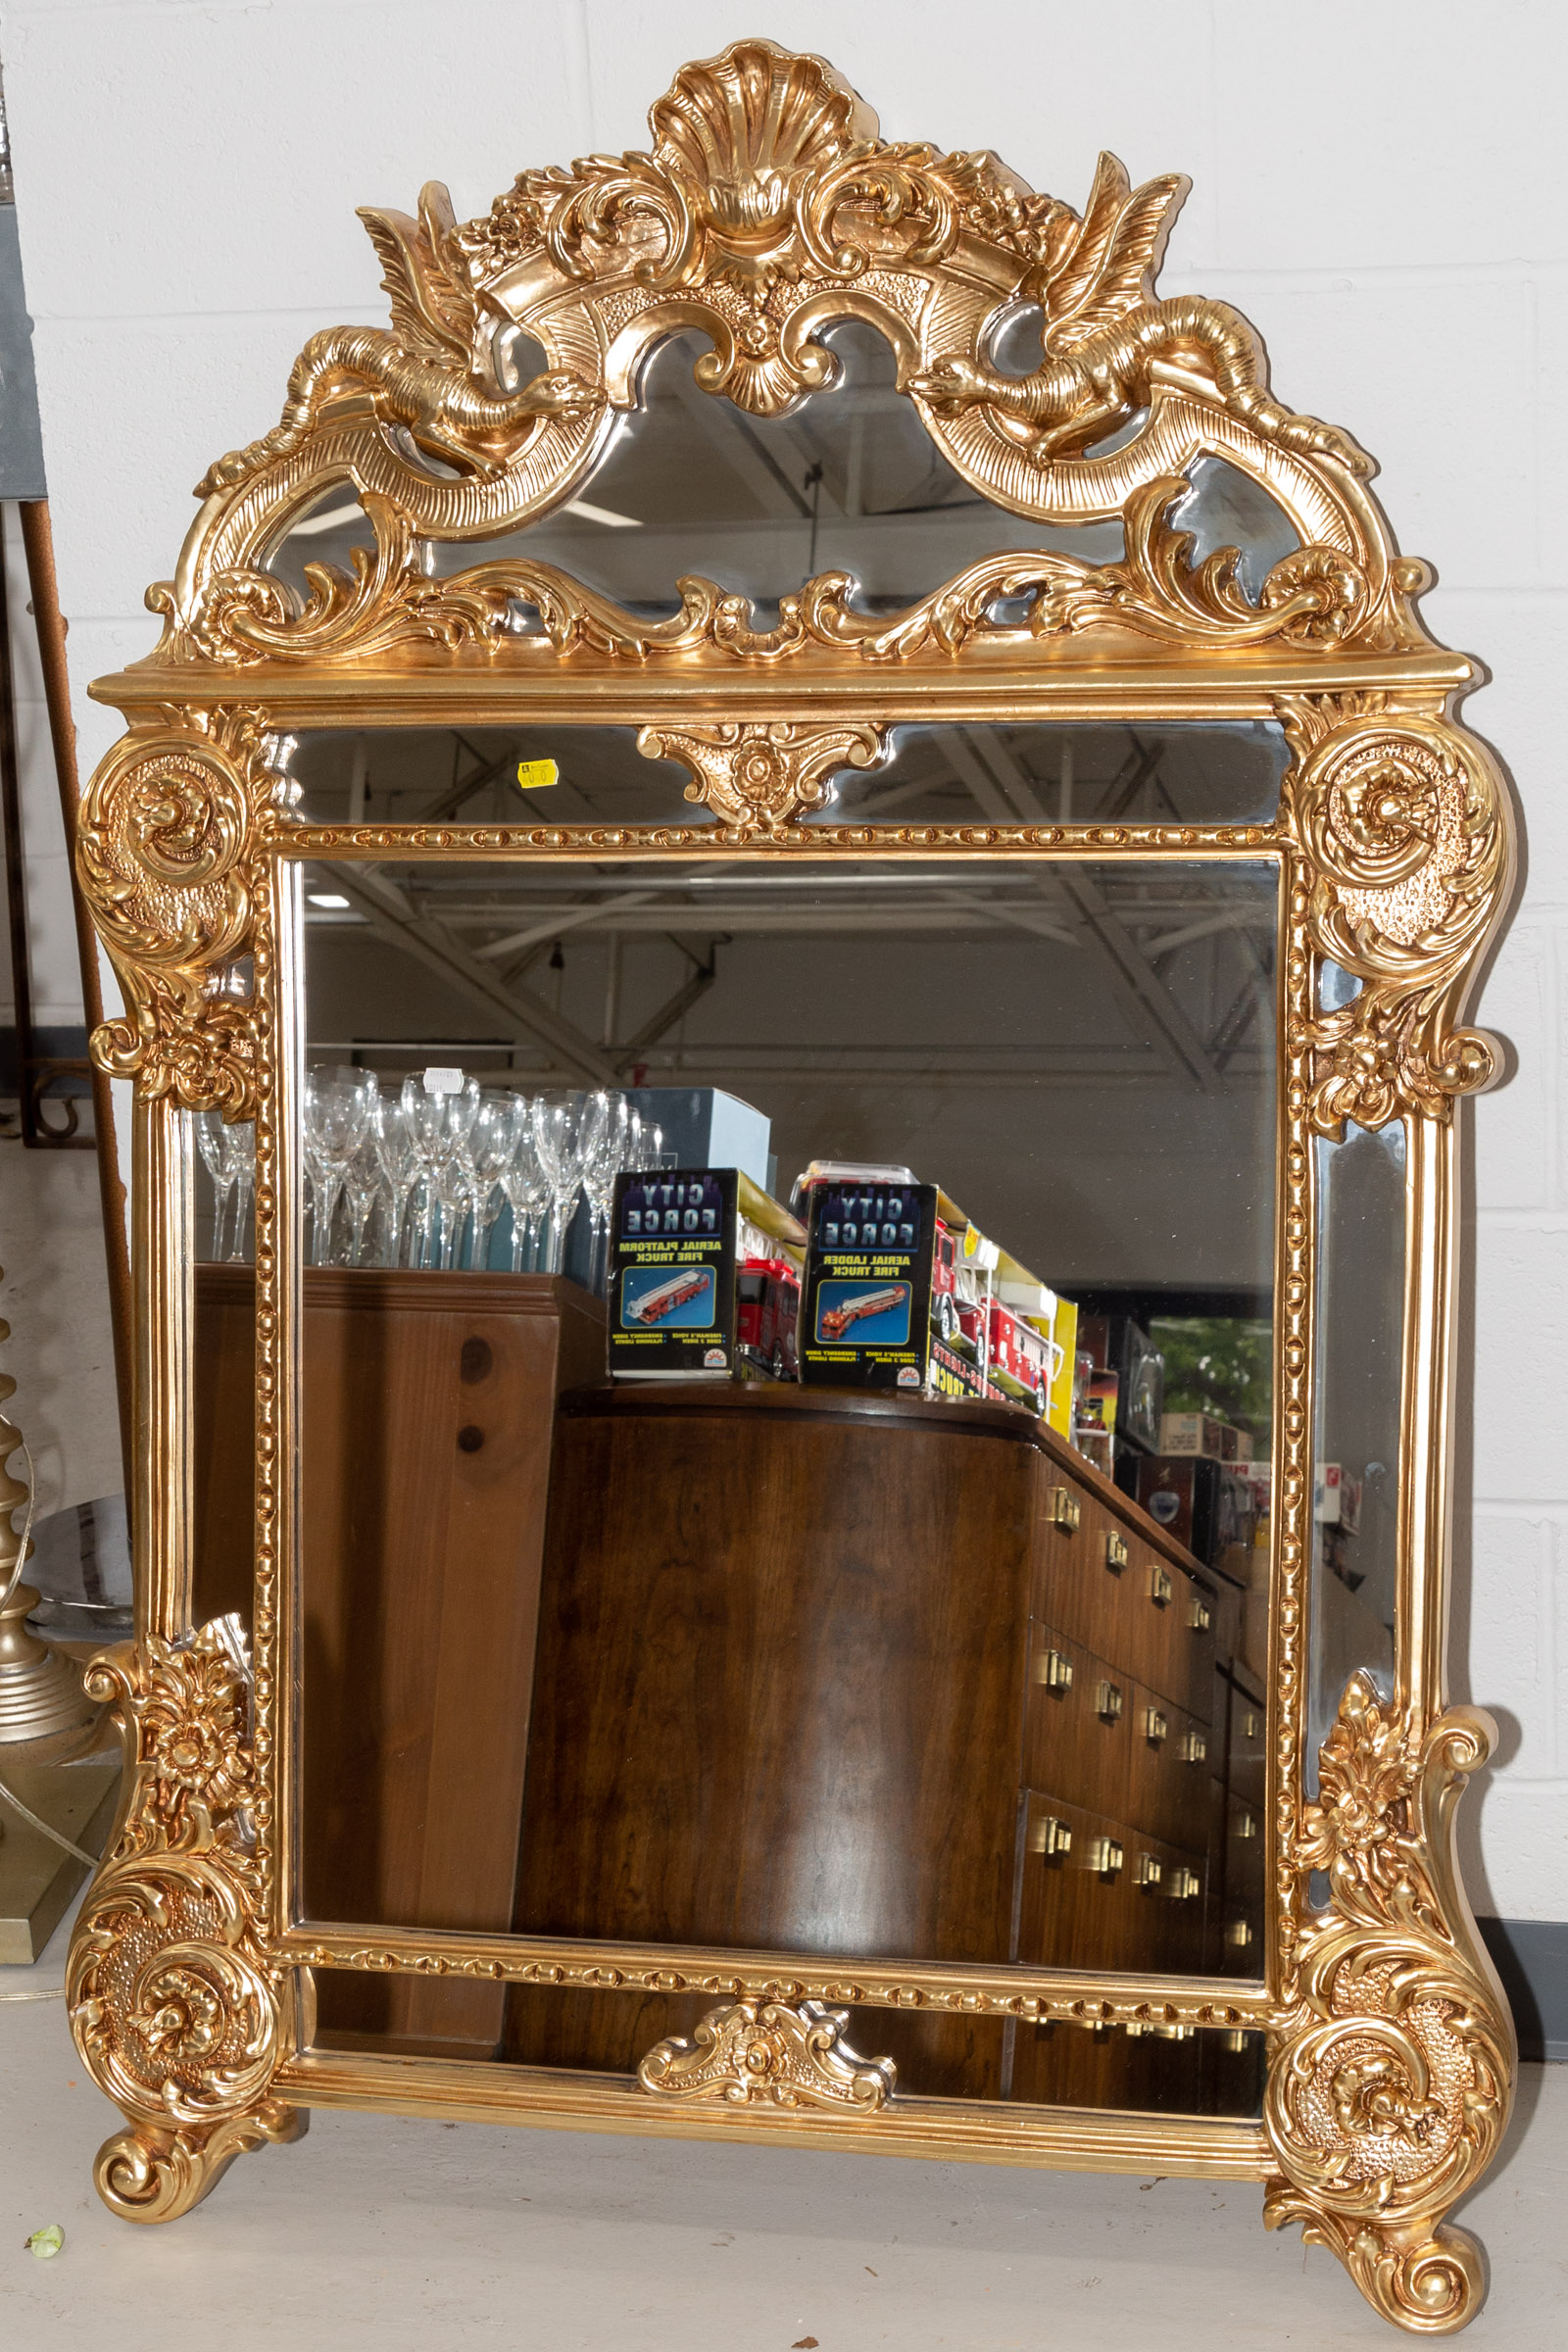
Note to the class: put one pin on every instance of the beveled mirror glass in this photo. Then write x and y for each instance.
(813, 864)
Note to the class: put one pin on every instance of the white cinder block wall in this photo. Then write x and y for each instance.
(1380, 188)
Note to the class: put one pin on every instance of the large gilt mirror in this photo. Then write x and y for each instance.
(795, 890)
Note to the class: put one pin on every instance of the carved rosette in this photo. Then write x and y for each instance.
(165, 854)
(771, 2053)
(1391, 2069)
(767, 207)
(1402, 822)
(758, 777)
(177, 2013)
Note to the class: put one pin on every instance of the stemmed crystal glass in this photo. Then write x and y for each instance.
(338, 1104)
(438, 1125)
(363, 1182)
(212, 1144)
(604, 1163)
(566, 1129)
(523, 1180)
(394, 1146)
(239, 1157)
(499, 1124)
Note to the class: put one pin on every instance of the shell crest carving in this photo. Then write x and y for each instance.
(766, 206)
(1392, 2068)
(1401, 821)
(165, 856)
(177, 2013)
(769, 2053)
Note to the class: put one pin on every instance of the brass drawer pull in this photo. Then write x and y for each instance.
(1156, 1727)
(1234, 2040)
(1063, 1510)
(1104, 1857)
(1199, 1618)
(1184, 1884)
(1053, 1670)
(1244, 1825)
(1250, 1725)
(1160, 1588)
(1238, 1935)
(1107, 1702)
(1117, 1554)
(1194, 1748)
(1049, 1836)
(1148, 1872)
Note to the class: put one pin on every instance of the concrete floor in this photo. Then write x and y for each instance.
(374, 2230)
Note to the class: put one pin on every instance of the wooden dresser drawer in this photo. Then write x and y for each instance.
(1078, 1718)
(1076, 1909)
(1169, 1754)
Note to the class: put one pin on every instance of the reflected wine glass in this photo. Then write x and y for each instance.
(523, 1180)
(439, 1121)
(338, 1104)
(363, 1179)
(565, 1130)
(394, 1145)
(603, 1164)
(497, 1124)
(213, 1145)
(239, 1155)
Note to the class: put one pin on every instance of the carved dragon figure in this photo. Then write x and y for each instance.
(431, 372)
(1104, 328)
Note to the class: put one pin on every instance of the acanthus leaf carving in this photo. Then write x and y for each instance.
(759, 775)
(165, 854)
(773, 2053)
(177, 2010)
(1392, 2064)
(1401, 822)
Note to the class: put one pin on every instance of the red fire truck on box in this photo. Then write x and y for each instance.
(653, 1305)
(768, 1309)
(836, 1321)
(954, 1289)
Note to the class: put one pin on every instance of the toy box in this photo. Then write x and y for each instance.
(686, 1246)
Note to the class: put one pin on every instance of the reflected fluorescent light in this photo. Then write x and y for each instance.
(326, 898)
(330, 521)
(616, 522)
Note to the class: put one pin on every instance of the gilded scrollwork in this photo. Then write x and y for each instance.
(167, 845)
(1401, 821)
(767, 207)
(758, 777)
(179, 2013)
(771, 2053)
(1391, 2064)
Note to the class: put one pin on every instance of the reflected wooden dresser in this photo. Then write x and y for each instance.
(428, 1403)
(874, 1675)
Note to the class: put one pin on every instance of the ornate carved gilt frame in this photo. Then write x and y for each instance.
(767, 207)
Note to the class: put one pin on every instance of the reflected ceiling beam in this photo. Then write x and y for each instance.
(1233, 918)
(388, 913)
(570, 918)
(741, 446)
(1005, 794)
(673, 1009)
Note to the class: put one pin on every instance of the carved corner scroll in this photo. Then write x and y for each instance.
(758, 777)
(179, 2016)
(167, 845)
(1402, 826)
(766, 208)
(771, 2053)
(1391, 2068)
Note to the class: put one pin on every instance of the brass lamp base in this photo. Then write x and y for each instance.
(41, 1690)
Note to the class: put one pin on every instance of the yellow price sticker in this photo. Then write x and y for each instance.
(534, 774)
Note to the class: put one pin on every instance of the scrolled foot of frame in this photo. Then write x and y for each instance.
(1391, 2072)
(179, 2013)
(147, 2176)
